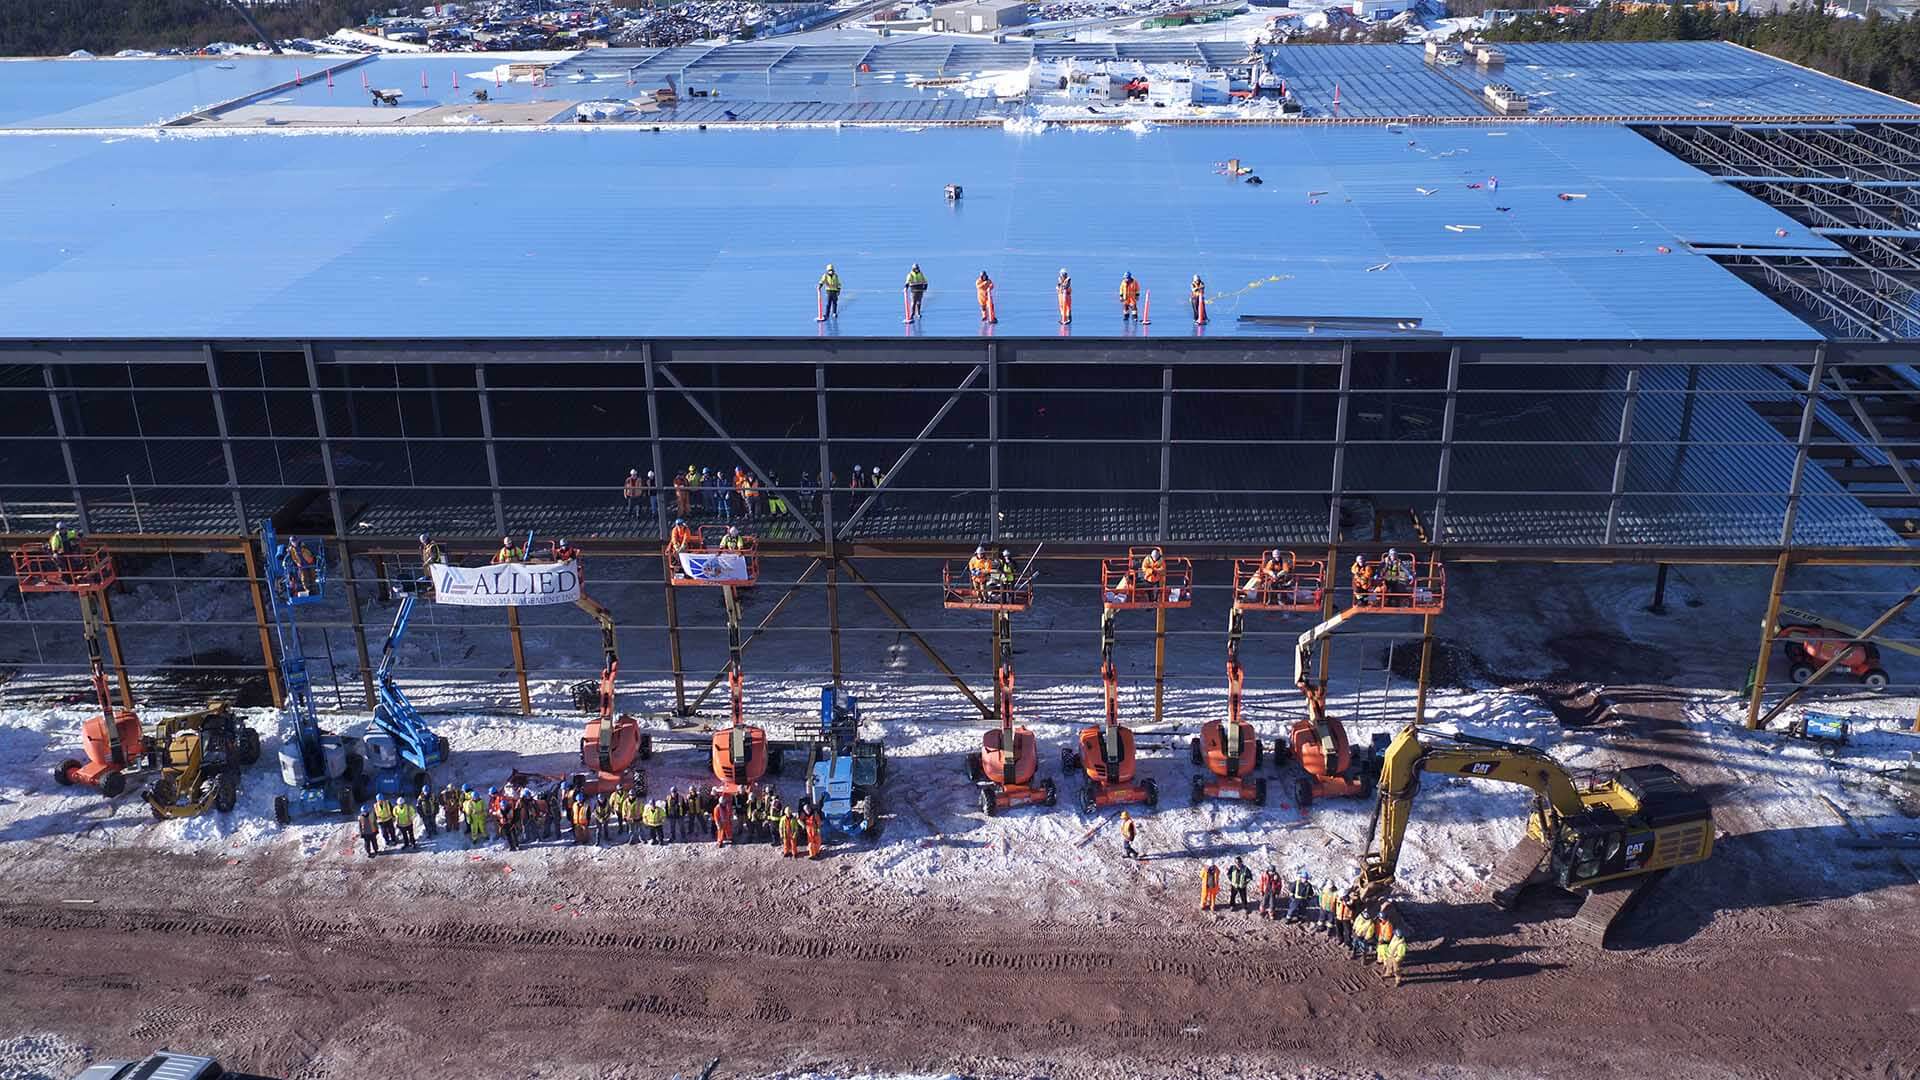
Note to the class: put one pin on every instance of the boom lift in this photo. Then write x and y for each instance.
(1608, 840)
(739, 751)
(1230, 749)
(404, 748)
(326, 771)
(1005, 766)
(845, 771)
(1318, 741)
(1106, 749)
(612, 742)
(112, 740)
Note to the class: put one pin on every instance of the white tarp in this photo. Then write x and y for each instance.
(507, 584)
(715, 566)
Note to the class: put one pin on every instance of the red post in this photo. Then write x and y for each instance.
(906, 304)
(992, 315)
(296, 77)
(819, 304)
(456, 80)
(1146, 306)
(423, 79)
(364, 84)
(1200, 316)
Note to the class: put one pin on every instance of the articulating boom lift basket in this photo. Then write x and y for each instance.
(712, 563)
(1408, 588)
(1295, 585)
(959, 592)
(1123, 587)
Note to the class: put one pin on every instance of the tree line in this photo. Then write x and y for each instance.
(1879, 52)
(104, 27)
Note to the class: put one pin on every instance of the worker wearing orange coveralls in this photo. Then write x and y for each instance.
(813, 833)
(1129, 297)
(983, 288)
(723, 820)
(1153, 574)
(1209, 886)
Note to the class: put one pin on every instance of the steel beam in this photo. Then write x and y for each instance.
(824, 485)
(1443, 478)
(1766, 642)
(1340, 445)
(1839, 654)
(113, 649)
(1873, 432)
(663, 488)
(339, 525)
(880, 601)
(519, 659)
(252, 560)
(1166, 461)
(1624, 448)
(792, 504)
(994, 514)
(1815, 381)
(233, 474)
(493, 460)
(66, 449)
(846, 530)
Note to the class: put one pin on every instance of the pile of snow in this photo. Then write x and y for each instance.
(614, 109)
(1024, 125)
(80, 54)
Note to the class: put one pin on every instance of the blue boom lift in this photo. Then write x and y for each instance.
(404, 748)
(844, 771)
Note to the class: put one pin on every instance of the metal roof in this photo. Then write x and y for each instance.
(136, 92)
(577, 233)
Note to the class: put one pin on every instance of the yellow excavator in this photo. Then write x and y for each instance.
(1607, 840)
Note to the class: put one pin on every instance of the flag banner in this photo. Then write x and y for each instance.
(507, 584)
(716, 566)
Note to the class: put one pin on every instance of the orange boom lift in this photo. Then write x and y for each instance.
(730, 562)
(1004, 767)
(1106, 751)
(113, 739)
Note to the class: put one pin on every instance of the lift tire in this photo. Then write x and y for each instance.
(1153, 793)
(773, 760)
(1260, 792)
(162, 793)
(282, 811)
(1069, 759)
(986, 800)
(1303, 793)
(646, 748)
(1052, 790)
(114, 784)
(974, 772)
(249, 745)
(870, 817)
(1199, 791)
(63, 772)
(1801, 672)
(1195, 752)
(1259, 752)
(1875, 679)
(1280, 753)
(227, 794)
(1087, 802)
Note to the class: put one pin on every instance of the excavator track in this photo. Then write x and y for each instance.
(1604, 904)
(1515, 871)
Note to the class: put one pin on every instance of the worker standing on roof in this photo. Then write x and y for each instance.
(1392, 952)
(722, 821)
(1197, 297)
(830, 288)
(916, 292)
(630, 494)
(1129, 832)
(1063, 290)
(403, 821)
(1209, 886)
(814, 825)
(1239, 878)
(1129, 297)
(369, 832)
(983, 289)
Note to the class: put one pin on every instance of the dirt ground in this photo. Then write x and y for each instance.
(557, 962)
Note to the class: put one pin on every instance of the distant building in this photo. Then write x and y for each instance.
(1380, 10)
(978, 18)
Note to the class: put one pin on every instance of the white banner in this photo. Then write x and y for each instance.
(507, 584)
(716, 566)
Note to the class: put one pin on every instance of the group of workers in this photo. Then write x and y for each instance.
(520, 815)
(829, 287)
(1390, 582)
(1367, 933)
(992, 579)
(701, 490)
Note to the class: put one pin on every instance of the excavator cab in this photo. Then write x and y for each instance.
(1146, 578)
(720, 556)
(1397, 584)
(1279, 581)
(113, 739)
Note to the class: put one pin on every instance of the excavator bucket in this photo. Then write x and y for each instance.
(1293, 585)
(1133, 582)
(960, 592)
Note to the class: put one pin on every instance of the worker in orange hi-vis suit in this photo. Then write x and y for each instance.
(723, 821)
(813, 833)
(1209, 886)
(790, 829)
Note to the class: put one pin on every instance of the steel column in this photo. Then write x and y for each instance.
(1444, 477)
(994, 516)
(1159, 663)
(339, 526)
(1340, 446)
(113, 649)
(1766, 641)
(824, 485)
(846, 530)
(1623, 447)
(274, 688)
(233, 474)
(1166, 470)
(493, 460)
(663, 489)
(914, 635)
(1815, 381)
(66, 449)
(519, 659)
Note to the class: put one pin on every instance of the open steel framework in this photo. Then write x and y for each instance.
(1483, 451)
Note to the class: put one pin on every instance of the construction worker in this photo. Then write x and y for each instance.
(1129, 832)
(1329, 907)
(507, 553)
(983, 289)
(676, 814)
(63, 539)
(1004, 575)
(1269, 891)
(656, 823)
(1129, 297)
(790, 829)
(450, 807)
(369, 832)
(722, 821)
(1362, 936)
(1152, 574)
(1362, 581)
(1209, 886)
(476, 810)
(403, 821)
(1300, 897)
(770, 486)
(383, 815)
(582, 816)
(513, 816)
(630, 494)
(1383, 927)
(1399, 578)
(1238, 879)
(682, 498)
(423, 808)
(682, 538)
(1393, 952)
(603, 818)
(1197, 298)
(1063, 289)
(830, 288)
(814, 825)
(733, 541)
(916, 292)
(1343, 920)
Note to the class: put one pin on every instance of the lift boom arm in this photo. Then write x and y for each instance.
(609, 672)
(393, 713)
(1003, 675)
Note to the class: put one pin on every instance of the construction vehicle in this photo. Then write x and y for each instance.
(1607, 840)
(1230, 749)
(612, 743)
(113, 740)
(325, 771)
(1106, 751)
(724, 558)
(1331, 765)
(1810, 640)
(844, 772)
(403, 750)
(1004, 770)
(196, 760)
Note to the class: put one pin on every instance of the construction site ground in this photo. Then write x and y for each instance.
(1019, 945)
